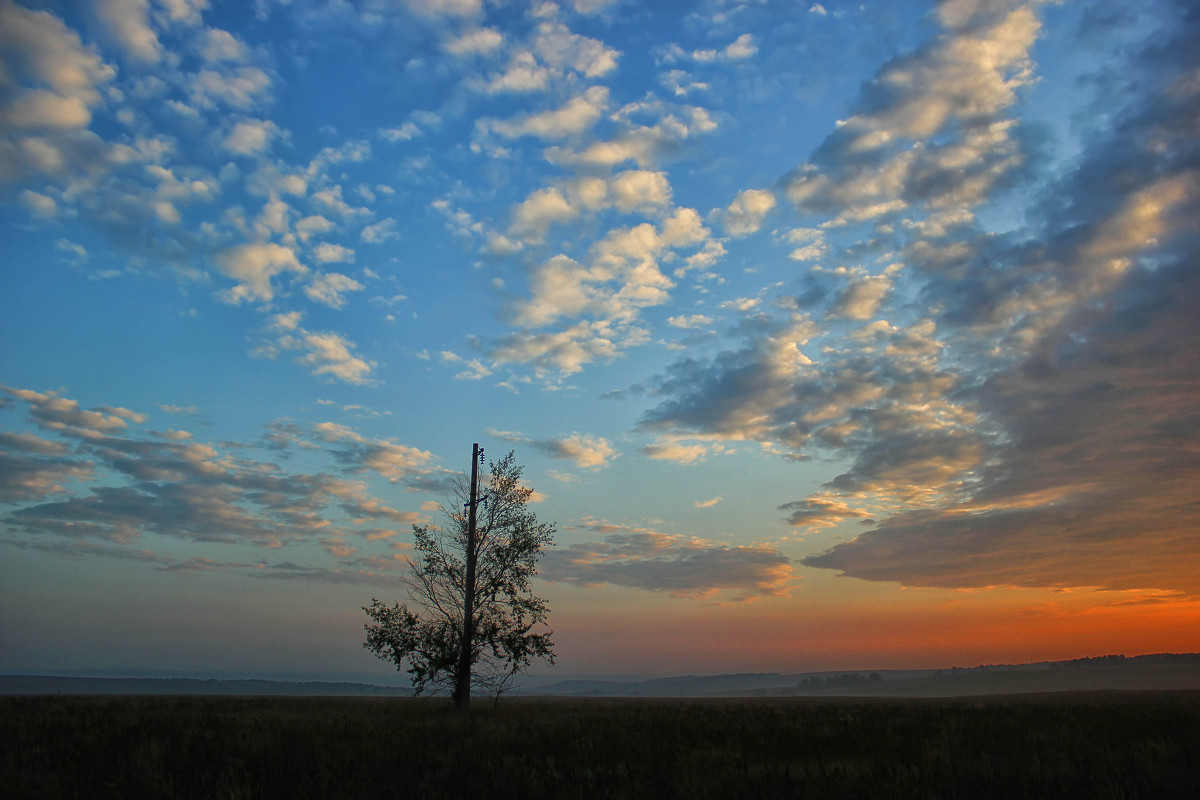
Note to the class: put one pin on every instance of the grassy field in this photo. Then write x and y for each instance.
(1094, 745)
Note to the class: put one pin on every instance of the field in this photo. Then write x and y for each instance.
(1095, 745)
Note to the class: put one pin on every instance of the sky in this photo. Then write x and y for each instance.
(830, 335)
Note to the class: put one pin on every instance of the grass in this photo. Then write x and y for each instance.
(1083, 745)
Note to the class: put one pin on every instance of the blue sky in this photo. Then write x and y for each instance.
(831, 335)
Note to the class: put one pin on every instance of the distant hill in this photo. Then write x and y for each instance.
(1164, 671)
(1138, 673)
(49, 684)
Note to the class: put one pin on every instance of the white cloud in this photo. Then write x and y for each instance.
(681, 566)
(746, 213)
(738, 50)
(445, 8)
(640, 189)
(251, 137)
(404, 133)
(585, 450)
(567, 351)
(741, 48)
(240, 87)
(690, 322)
(562, 49)
(863, 296)
(541, 209)
(576, 117)
(813, 245)
(253, 266)
(379, 232)
(327, 253)
(218, 45)
(323, 352)
(642, 144)
(313, 225)
(65, 79)
(473, 369)
(477, 42)
(126, 21)
(675, 451)
(329, 287)
(40, 205)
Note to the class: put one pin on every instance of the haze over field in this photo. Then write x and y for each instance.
(833, 336)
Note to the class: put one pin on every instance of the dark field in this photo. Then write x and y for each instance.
(1117, 745)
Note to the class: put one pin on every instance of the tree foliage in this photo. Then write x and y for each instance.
(509, 622)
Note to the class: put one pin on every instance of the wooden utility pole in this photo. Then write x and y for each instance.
(462, 683)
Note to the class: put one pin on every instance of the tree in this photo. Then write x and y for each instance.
(476, 622)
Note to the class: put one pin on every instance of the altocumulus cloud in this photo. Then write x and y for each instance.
(1032, 421)
(106, 486)
(679, 565)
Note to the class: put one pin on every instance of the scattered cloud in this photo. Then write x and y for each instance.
(678, 565)
(746, 213)
(585, 450)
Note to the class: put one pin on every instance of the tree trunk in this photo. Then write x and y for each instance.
(462, 678)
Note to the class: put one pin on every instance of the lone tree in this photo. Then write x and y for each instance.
(476, 622)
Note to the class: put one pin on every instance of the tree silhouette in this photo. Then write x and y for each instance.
(476, 622)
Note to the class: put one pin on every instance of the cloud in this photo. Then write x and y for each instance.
(738, 50)
(690, 321)
(741, 48)
(39, 204)
(576, 117)
(681, 566)
(64, 415)
(329, 288)
(328, 253)
(566, 351)
(172, 486)
(553, 53)
(820, 512)
(541, 209)
(251, 137)
(640, 189)
(587, 451)
(322, 352)
(746, 213)
(381, 231)
(253, 266)
(480, 41)
(675, 451)
(241, 87)
(218, 45)
(1093, 481)
(863, 297)
(126, 21)
(957, 88)
(1083, 398)
(53, 82)
(357, 453)
(445, 8)
(475, 369)
(32, 468)
(643, 144)
(624, 275)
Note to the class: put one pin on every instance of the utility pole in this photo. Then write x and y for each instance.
(462, 684)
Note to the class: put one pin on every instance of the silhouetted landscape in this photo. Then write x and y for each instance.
(1094, 744)
(1098, 727)
(1163, 671)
